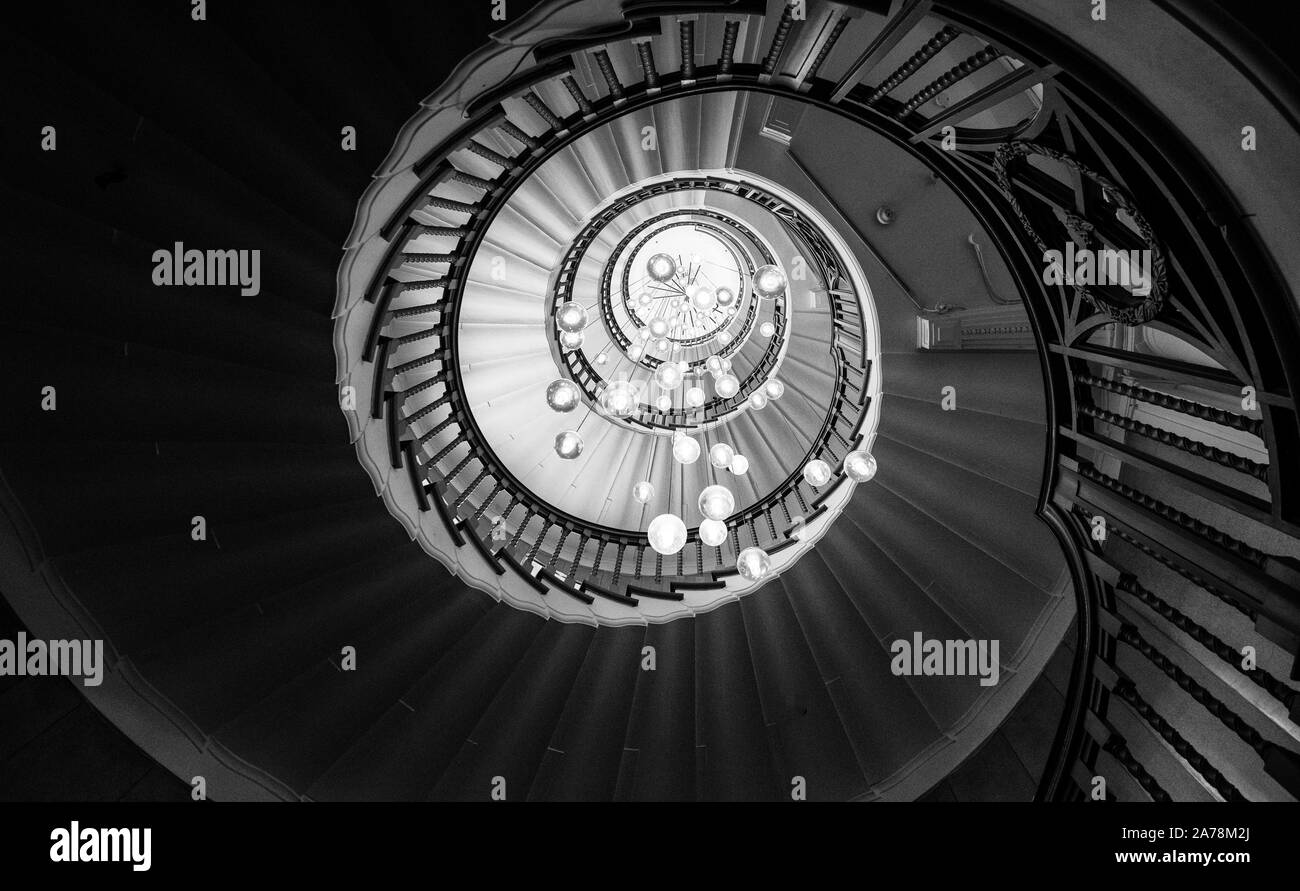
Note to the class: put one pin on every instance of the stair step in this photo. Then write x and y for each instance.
(582, 761)
(509, 741)
(300, 730)
(405, 751)
(886, 723)
(734, 758)
(659, 752)
(147, 591)
(802, 721)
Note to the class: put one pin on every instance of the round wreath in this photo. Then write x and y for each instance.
(1124, 313)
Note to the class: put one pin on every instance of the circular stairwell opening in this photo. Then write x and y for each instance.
(607, 396)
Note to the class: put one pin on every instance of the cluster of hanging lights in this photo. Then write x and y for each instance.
(667, 532)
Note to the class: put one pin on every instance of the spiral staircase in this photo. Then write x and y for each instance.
(1074, 475)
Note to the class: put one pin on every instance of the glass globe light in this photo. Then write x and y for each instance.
(726, 364)
(704, 299)
(643, 491)
(753, 564)
(644, 334)
(724, 337)
(726, 385)
(571, 340)
(740, 465)
(644, 300)
(860, 465)
(686, 450)
(724, 297)
(663, 346)
(667, 534)
(571, 317)
(713, 532)
(668, 376)
(721, 455)
(817, 473)
(634, 353)
(664, 403)
(562, 396)
(602, 359)
(758, 400)
(767, 329)
(769, 281)
(661, 267)
(658, 327)
(683, 366)
(717, 502)
(714, 365)
(568, 444)
(619, 399)
(675, 303)
(774, 389)
(694, 397)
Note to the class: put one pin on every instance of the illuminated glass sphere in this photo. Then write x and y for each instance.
(643, 491)
(717, 502)
(568, 444)
(724, 337)
(658, 327)
(714, 365)
(721, 454)
(644, 334)
(619, 399)
(726, 364)
(667, 534)
(683, 366)
(664, 403)
(817, 472)
(758, 400)
(774, 389)
(726, 385)
(860, 465)
(740, 465)
(634, 353)
(644, 300)
(675, 303)
(571, 317)
(767, 329)
(704, 299)
(769, 282)
(753, 564)
(602, 359)
(686, 450)
(694, 397)
(562, 396)
(668, 376)
(724, 297)
(663, 346)
(571, 340)
(661, 267)
(713, 532)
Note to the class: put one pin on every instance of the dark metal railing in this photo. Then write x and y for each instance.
(1120, 491)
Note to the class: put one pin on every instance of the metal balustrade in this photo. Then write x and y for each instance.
(1222, 297)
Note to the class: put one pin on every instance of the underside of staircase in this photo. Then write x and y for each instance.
(369, 614)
